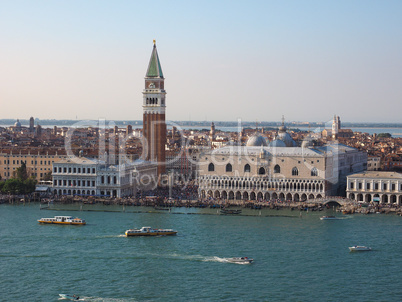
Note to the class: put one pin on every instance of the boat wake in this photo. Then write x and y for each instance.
(183, 257)
(224, 260)
(216, 259)
(111, 236)
(345, 217)
(199, 258)
(100, 299)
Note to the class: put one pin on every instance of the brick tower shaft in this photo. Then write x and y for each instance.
(154, 107)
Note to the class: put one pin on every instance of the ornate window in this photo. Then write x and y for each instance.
(211, 167)
(295, 171)
(261, 171)
(228, 168)
(247, 168)
(314, 172)
(277, 169)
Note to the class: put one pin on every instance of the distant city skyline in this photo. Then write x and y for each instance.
(257, 61)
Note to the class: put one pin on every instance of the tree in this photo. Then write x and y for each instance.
(29, 185)
(384, 135)
(17, 186)
(13, 186)
(48, 176)
(21, 173)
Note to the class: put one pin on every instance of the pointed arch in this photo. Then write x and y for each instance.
(314, 172)
(295, 171)
(277, 169)
(228, 168)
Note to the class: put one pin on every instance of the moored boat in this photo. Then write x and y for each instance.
(328, 218)
(161, 209)
(240, 260)
(230, 212)
(148, 231)
(62, 220)
(359, 248)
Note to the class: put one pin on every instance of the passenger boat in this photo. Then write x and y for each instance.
(161, 209)
(69, 297)
(62, 220)
(229, 212)
(359, 248)
(148, 231)
(328, 218)
(240, 260)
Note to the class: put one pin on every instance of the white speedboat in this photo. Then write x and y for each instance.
(328, 218)
(359, 248)
(148, 231)
(69, 297)
(240, 260)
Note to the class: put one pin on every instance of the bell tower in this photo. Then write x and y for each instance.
(154, 107)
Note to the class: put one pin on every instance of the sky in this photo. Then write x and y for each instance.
(222, 60)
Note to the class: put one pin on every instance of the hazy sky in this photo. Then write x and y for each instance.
(222, 60)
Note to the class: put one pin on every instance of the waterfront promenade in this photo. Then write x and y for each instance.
(341, 204)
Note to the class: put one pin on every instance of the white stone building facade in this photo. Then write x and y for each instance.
(286, 173)
(88, 177)
(384, 187)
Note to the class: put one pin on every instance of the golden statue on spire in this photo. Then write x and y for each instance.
(154, 42)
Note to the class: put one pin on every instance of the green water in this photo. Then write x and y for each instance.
(296, 259)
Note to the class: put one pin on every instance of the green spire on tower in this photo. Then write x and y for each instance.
(154, 67)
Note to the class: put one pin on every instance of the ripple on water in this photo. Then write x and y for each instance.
(295, 259)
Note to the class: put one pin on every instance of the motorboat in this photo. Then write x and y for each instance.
(329, 218)
(161, 209)
(359, 248)
(148, 231)
(240, 260)
(62, 220)
(230, 212)
(69, 297)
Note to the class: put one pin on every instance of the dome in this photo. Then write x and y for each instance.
(282, 129)
(277, 143)
(287, 139)
(256, 141)
(17, 124)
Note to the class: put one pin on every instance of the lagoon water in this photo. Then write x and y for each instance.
(296, 258)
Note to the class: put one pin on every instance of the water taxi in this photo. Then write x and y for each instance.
(359, 248)
(62, 220)
(240, 260)
(148, 231)
(69, 297)
(328, 218)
